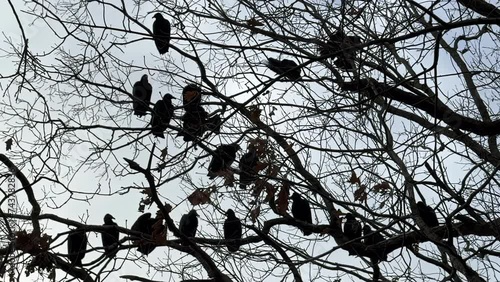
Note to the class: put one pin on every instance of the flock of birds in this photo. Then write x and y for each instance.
(196, 121)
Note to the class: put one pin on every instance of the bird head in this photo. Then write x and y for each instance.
(236, 146)
(349, 216)
(108, 218)
(230, 213)
(367, 229)
(168, 97)
(296, 196)
(421, 205)
(144, 78)
(158, 16)
(193, 213)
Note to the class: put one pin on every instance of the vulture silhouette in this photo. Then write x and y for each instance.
(142, 96)
(161, 33)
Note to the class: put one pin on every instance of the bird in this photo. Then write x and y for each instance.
(222, 159)
(161, 33)
(352, 227)
(372, 238)
(77, 246)
(232, 231)
(144, 224)
(163, 111)
(465, 220)
(301, 210)
(110, 237)
(142, 96)
(189, 224)
(428, 214)
(213, 124)
(191, 97)
(193, 123)
(285, 67)
(248, 163)
(341, 44)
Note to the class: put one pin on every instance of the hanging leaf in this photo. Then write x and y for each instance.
(283, 196)
(255, 114)
(354, 178)
(261, 166)
(200, 197)
(8, 144)
(164, 153)
(382, 187)
(228, 177)
(360, 194)
(254, 214)
(253, 22)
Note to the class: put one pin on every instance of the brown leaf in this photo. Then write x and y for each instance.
(253, 22)
(141, 208)
(164, 153)
(228, 178)
(260, 166)
(147, 192)
(255, 114)
(354, 178)
(8, 144)
(254, 214)
(270, 190)
(382, 187)
(360, 194)
(199, 197)
(259, 145)
(282, 205)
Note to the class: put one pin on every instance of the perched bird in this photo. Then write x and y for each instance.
(144, 224)
(373, 238)
(161, 33)
(222, 159)
(284, 67)
(189, 224)
(163, 111)
(248, 162)
(110, 237)
(142, 96)
(77, 246)
(301, 210)
(465, 219)
(193, 124)
(341, 44)
(232, 231)
(352, 227)
(213, 124)
(191, 97)
(428, 215)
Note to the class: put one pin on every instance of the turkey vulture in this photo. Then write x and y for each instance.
(189, 224)
(341, 43)
(286, 67)
(248, 162)
(161, 33)
(222, 159)
(193, 124)
(427, 214)
(232, 231)
(77, 246)
(163, 111)
(110, 237)
(301, 210)
(144, 224)
(373, 238)
(213, 124)
(191, 97)
(142, 96)
(352, 227)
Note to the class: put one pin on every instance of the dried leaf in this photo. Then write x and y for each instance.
(200, 197)
(164, 153)
(255, 114)
(8, 144)
(354, 178)
(147, 192)
(254, 214)
(382, 187)
(229, 178)
(142, 207)
(273, 109)
(360, 194)
(270, 190)
(260, 166)
(283, 195)
(253, 22)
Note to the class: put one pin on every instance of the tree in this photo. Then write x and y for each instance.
(396, 103)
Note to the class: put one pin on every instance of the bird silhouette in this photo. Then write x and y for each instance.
(213, 124)
(144, 224)
(352, 227)
(191, 97)
(341, 44)
(189, 224)
(193, 123)
(232, 231)
(77, 246)
(163, 111)
(222, 159)
(285, 67)
(428, 214)
(372, 238)
(248, 171)
(161, 33)
(142, 96)
(301, 210)
(110, 237)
